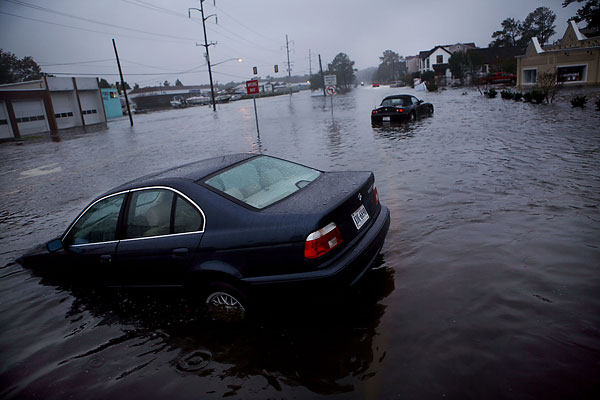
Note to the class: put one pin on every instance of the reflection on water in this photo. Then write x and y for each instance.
(488, 284)
(148, 332)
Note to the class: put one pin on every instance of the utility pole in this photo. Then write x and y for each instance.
(322, 76)
(122, 83)
(206, 45)
(289, 66)
(309, 64)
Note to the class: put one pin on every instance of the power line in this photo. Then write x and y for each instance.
(241, 24)
(76, 62)
(88, 30)
(48, 10)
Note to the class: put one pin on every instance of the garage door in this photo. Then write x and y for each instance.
(5, 129)
(91, 107)
(64, 109)
(31, 116)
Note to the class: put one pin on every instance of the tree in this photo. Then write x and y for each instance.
(13, 69)
(539, 23)
(590, 13)
(136, 86)
(343, 68)
(166, 83)
(392, 67)
(510, 34)
(178, 83)
(459, 65)
(104, 84)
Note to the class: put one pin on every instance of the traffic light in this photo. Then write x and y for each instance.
(255, 70)
(276, 68)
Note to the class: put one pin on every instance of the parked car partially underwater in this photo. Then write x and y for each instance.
(400, 108)
(229, 229)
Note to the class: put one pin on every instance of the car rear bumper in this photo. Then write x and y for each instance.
(343, 272)
(389, 117)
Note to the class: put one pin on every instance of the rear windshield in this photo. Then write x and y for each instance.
(262, 181)
(395, 102)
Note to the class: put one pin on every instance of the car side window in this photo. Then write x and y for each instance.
(149, 213)
(187, 217)
(98, 223)
(414, 100)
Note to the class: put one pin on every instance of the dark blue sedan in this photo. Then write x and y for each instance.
(228, 228)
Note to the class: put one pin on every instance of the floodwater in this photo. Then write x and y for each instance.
(488, 285)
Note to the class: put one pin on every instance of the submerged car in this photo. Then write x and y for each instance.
(228, 228)
(400, 108)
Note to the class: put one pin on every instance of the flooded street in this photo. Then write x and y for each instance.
(488, 285)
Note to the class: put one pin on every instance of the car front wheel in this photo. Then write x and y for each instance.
(225, 302)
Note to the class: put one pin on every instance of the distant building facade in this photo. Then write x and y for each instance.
(575, 59)
(49, 105)
(437, 58)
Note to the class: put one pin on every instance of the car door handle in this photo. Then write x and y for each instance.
(106, 258)
(179, 252)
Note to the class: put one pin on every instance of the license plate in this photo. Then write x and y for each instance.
(386, 118)
(360, 216)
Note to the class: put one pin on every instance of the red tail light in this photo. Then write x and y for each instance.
(399, 109)
(322, 241)
(374, 112)
(376, 195)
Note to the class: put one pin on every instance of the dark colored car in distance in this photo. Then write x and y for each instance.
(400, 108)
(228, 228)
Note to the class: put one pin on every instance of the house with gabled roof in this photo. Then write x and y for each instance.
(437, 58)
(575, 59)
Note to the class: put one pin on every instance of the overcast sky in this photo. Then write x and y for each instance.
(157, 41)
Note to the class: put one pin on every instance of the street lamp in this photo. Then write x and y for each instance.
(231, 59)
(206, 44)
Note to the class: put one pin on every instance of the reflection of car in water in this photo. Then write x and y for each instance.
(399, 108)
(221, 227)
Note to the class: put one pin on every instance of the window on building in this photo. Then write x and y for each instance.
(529, 75)
(439, 59)
(571, 74)
(113, 95)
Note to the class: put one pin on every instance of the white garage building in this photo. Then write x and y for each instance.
(49, 105)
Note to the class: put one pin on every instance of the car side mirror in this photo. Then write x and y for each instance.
(54, 245)
(420, 101)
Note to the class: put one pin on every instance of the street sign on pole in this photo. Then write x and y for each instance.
(331, 91)
(252, 86)
(330, 80)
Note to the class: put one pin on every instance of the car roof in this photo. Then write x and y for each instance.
(193, 171)
(398, 96)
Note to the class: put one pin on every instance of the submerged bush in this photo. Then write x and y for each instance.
(537, 96)
(517, 96)
(579, 101)
(527, 97)
(507, 94)
(491, 93)
(597, 103)
(431, 86)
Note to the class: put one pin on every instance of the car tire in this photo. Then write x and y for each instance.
(431, 110)
(412, 116)
(225, 302)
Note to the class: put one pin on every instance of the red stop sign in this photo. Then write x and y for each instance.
(252, 86)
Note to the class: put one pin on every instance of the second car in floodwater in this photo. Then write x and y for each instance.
(400, 108)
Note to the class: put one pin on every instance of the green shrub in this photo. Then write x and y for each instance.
(579, 101)
(507, 94)
(527, 97)
(597, 103)
(491, 93)
(431, 86)
(517, 96)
